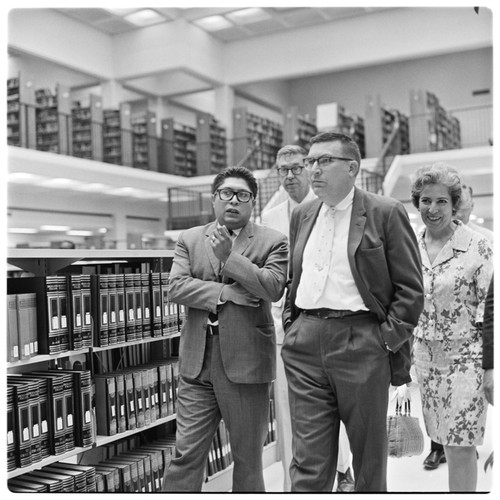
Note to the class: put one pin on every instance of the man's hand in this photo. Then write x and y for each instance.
(221, 243)
(488, 379)
(238, 295)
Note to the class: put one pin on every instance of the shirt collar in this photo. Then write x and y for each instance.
(236, 232)
(345, 204)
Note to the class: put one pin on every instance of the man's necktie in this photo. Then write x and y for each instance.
(323, 255)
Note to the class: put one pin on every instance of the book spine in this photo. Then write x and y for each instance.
(12, 329)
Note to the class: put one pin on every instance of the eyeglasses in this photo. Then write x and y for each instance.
(229, 194)
(296, 170)
(323, 161)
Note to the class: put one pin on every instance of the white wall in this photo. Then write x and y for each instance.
(452, 78)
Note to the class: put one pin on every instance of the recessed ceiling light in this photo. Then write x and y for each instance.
(213, 23)
(79, 233)
(22, 230)
(94, 187)
(24, 178)
(60, 183)
(49, 227)
(144, 17)
(123, 191)
(247, 16)
(121, 12)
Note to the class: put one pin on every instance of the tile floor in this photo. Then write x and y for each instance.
(407, 475)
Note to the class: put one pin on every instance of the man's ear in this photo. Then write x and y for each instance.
(354, 167)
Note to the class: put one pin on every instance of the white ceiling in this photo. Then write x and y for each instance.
(270, 20)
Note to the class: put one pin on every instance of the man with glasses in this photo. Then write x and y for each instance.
(354, 296)
(294, 179)
(227, 273)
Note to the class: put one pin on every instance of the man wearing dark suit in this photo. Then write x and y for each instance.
(355, 294)
(227, 273)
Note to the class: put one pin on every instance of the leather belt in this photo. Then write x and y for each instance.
(212, 330)
(325, 313)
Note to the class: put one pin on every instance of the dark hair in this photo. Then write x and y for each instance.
(241, 172)
(349, 146)
(437, 173)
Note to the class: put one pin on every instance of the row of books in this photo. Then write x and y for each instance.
(59, 477)
(48, 413)
(135, 397)
(126, 466)
(135, 469)
(51, 412)
(220, 456)
(133, 464)
(75, 312)
(22, 337)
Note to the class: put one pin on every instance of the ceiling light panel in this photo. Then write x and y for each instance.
(213, 23)
(144, 17)
(61, 183)
(49, 227)
(22, 230)
(25, 178)
(121, 12)
(248, 16)
(76, 232)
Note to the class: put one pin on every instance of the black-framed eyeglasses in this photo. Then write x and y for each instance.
(323, 161)
(229, 194)
(296, 170)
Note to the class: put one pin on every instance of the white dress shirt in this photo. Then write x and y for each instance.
(339, 291)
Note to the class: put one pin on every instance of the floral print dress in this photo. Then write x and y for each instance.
(448, 338)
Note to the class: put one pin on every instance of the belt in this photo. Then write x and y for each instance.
(325, 313)
(212, 330)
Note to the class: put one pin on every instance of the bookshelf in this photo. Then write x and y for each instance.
(117, 136)
(106, 361)
(21, 118)
(145, 147)
(211, 155)
(256, 135)
(53, 122)
(379, 125)
(179, 148)
(432, 128)
(74, 262)
(298, 129)
(333, 117)
(87, 122)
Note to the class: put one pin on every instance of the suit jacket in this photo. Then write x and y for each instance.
(258, 262)
(278, 218)
(385, 262)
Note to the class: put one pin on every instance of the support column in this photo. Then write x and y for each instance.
(120, 230)
(224, 104)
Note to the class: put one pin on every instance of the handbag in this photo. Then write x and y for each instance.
(404, 434)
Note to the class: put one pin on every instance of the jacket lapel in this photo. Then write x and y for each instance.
(356, 227)
(214, 261)
(304, 233)
(244, 238)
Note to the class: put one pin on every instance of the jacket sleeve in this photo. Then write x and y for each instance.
(287, 317)
(405, 270)
(265, 279)
(186, 289)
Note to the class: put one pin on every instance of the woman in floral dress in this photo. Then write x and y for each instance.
(457, 266)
